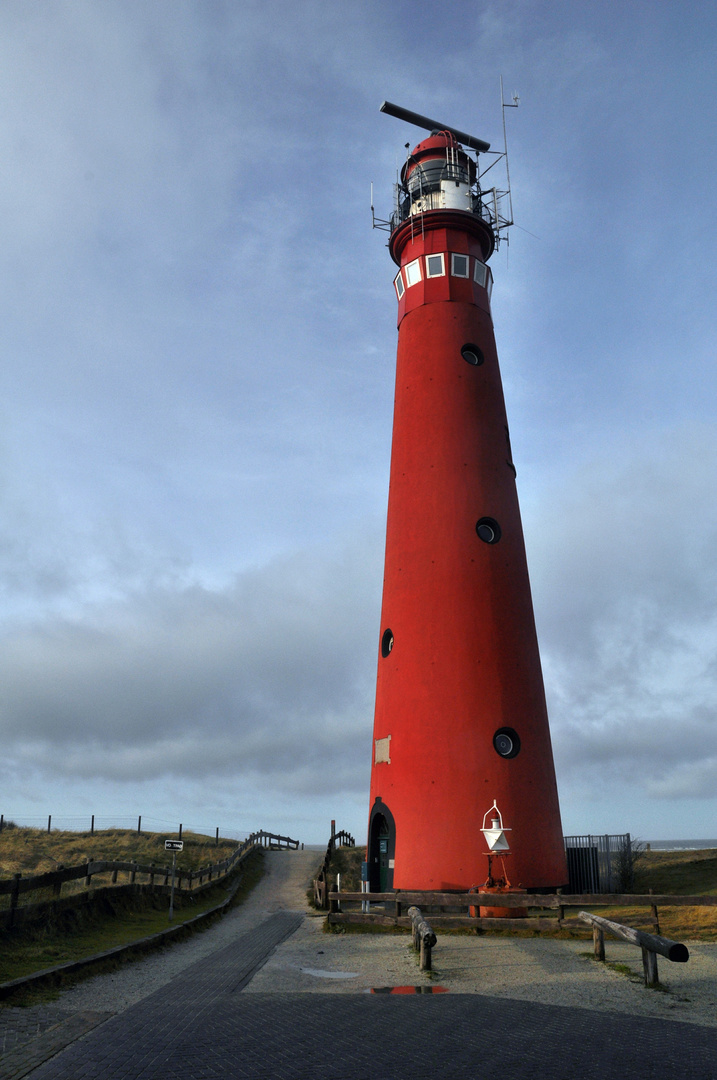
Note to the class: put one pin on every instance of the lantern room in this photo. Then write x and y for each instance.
(439, 175)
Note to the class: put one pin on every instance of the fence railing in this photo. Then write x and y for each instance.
(650, 944)
(185, 880)
(452, 910)
(321, 881)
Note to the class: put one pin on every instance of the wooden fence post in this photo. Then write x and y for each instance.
(139, 824)
(655, 916)
(649, 966)
(598, 943)
(57, 887)
(88, 875)
(49, 821)
(92, 826)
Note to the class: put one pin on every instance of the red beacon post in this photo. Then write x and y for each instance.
(460, 704)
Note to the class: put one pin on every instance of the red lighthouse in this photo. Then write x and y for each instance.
(460, 716)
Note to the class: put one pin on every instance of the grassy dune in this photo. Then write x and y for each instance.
(676, 873)
(35, 851)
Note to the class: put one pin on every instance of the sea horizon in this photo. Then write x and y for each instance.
(680, 845)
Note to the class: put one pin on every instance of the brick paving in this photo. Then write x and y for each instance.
(17, 1026)
(363, 1037)
(200, 1026)
(185, 999)
(31, 1052)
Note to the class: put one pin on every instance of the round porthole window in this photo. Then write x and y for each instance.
(386, 642)
(472, 355)
(506, 742)
(488, 530)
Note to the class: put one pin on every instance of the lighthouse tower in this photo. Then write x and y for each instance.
(460, 716)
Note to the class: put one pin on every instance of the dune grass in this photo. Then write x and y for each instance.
(676, 873)
(34, 851)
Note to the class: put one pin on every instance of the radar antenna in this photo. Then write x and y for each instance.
(432, 125)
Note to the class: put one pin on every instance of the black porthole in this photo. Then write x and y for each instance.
(472, 355)
(386, 642)
(506, 742)
(488, 530)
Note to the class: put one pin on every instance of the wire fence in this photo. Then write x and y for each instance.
(92, 823)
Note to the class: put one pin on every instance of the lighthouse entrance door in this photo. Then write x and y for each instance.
(383, 860)
(382, 845)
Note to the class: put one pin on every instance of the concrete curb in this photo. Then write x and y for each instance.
(153, 941)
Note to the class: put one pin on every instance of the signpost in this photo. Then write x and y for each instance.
(174, 846)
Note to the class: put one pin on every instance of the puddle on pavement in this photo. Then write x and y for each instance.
(320, 974)
(408, 990)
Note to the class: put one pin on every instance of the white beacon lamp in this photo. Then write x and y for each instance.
(495, 836)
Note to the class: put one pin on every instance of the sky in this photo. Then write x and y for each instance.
(197, 356)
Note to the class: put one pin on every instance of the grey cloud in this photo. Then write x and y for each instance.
(271, 675)
(625, 580)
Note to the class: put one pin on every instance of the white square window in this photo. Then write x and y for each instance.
(480, 273)
(383, 750)
(413, 272)
(459, 265)
(398, 285)
(435, 267)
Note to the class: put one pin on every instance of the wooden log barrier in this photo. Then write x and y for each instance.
(651, 944)
(423, 937)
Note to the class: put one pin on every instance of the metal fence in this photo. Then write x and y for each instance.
(599, 864)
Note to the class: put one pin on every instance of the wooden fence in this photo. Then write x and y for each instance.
(185, 880)
(321, 881)
(650, 944)
(452, 910)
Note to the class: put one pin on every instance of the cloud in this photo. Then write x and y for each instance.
(625, 579)
(272, 675)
